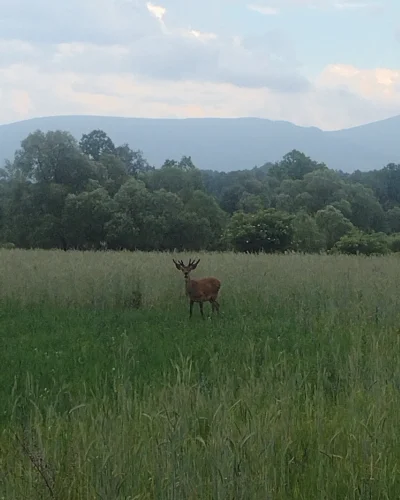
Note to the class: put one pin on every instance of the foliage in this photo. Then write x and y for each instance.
(307, 236)
(394, 242)
(358, 242)
(96, 143)
(58, 193)
(266, 230)
(332, 224)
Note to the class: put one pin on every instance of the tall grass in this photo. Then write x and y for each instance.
(109, 391)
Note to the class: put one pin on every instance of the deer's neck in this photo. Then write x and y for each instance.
(188, 285)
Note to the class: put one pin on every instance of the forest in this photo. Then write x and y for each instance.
(91, 194)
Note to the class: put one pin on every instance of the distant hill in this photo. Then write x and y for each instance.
(226, 144)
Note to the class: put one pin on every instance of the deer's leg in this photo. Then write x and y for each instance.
(191, 308)
(201, 309)
(213, 306)
(216, 305)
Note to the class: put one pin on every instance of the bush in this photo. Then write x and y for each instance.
(264, 231)
(7, 246)
(358, 242)
(394, 242)
(306, 235)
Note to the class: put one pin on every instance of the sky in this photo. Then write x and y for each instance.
(326, 63)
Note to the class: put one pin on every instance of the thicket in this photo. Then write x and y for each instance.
(61, 193)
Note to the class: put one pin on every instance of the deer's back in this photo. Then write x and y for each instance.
(204, 289)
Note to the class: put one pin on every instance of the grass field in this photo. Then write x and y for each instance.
(109, 391)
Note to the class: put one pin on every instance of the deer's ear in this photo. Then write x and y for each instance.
(178, 266)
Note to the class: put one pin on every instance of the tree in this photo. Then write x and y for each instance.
(358, 242)
(190, 232)
(267, 230)
(206, 208)
(58, 193)
(366, 212)
(343, 206)
(175, 178)
(307, 236)
(96, 143)
(133, 161)
(333, 225)
(85, 217)
(121, 232)
(53, 157)
(393, 220)
(114, 172)
(250, 203)
(294, 165)
(323, 186)
(230, 198)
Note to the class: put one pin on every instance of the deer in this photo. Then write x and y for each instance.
(201, 290)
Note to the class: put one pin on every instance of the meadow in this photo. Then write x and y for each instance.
(109, 391)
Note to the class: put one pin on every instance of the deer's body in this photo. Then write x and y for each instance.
(200, 290)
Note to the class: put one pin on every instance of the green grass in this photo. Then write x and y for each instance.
(109, 391)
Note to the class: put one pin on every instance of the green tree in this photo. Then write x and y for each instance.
(267, 230)
(323, 186)
(307, 236)
(230, 198)
(190, 232)
(343, 206)
(114, 172)
(294, 165)
(366, 212)
(333, 225)
(134, 161)
(85, 217)
(176, 177)
(96, 143)
(206, 208)
(54, 157)
(393, 220)
(357, 242)
(250, 203)
(120, 232)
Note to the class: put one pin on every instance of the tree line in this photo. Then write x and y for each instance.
(61, 193)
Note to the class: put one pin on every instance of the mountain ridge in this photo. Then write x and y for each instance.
(226, 144)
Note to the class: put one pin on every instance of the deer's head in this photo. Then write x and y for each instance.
(186, 269)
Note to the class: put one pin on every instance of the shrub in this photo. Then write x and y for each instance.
(358, 242)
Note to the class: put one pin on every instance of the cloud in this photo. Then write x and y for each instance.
(350, 5)
(156, 10)
(264, 9)
(274, 6)
(375, 85)
(132, 58)
(341, 96)
(165, 51)
(92, 21)
(373, 7)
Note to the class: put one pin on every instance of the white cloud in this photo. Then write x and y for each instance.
(264, 9)
(342, 96)
(273, 6)
(180, 54)
(202, 36)
(378, 85)
(156, 10)
(130, 58)
(353, 5)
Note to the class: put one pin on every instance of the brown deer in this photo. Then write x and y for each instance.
(203, 290)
